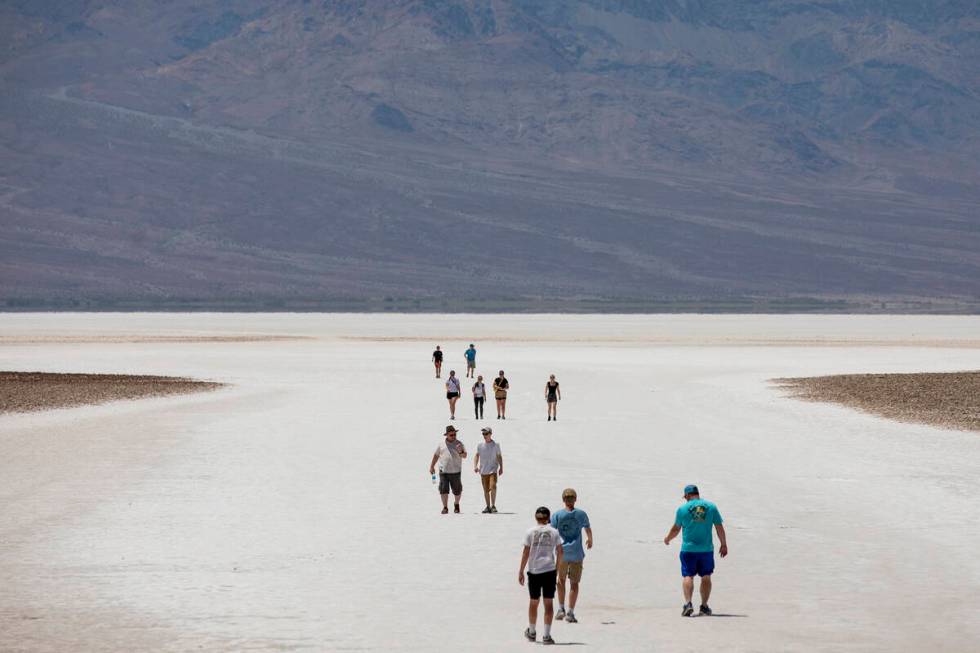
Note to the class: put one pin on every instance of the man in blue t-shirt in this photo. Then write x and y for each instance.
(570, 521)
(695, 518)
(470, 356)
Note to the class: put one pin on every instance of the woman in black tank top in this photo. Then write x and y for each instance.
(551, 395)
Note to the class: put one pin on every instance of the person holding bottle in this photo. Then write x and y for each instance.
(449, 454)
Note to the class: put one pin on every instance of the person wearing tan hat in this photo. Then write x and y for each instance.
(570, 521)
(489, 464)
(449, 454)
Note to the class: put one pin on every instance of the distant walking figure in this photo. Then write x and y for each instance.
(449, 454)
(695, 518)
(452, 392)
(500, 387)
(437, 359)
(552, 395)
(489, 464)
(479, 396)
(541, 556)
(470, 356)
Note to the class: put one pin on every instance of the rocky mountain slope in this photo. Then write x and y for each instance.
(326, 151)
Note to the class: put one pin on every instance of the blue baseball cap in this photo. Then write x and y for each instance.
(691, 489)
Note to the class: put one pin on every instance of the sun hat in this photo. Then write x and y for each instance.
(569, 492)
(451, 429)
(691, 489)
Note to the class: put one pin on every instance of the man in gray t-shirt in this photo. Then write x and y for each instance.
(489, 463)
(449, 454)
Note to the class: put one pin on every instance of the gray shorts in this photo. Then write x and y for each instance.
(471, 364)
(451, 481)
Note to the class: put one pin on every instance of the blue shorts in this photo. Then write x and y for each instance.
(697, 563)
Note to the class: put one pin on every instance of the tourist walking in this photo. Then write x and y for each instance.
(570, 521)
(489, 464)
(479, 397)
(541, 556)
(500, 387)
(449, 456)
(452, 392)
(470, 356)
(695, 518)
(552, 394)
(437, 360)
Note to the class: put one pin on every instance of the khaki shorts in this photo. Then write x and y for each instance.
(489, 481)
(573, 570)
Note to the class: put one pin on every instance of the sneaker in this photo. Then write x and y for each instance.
(549, 418)
(493, 509)
(531, 636)
(445, 511)
(570, 618)
(546, 640)
(456, 508)
(688, 610)
(559, 615)
(705, 610)
(487, 511)
(498, 416)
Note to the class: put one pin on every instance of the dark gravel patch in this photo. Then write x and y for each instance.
(947, 399)
(22, 392)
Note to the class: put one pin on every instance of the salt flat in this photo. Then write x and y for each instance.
(293, 510)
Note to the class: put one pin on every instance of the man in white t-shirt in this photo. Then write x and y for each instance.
(541, 557)
(449, 454)
(489, 463)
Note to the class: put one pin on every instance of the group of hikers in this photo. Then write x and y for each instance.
(553, 552)
(500, 387)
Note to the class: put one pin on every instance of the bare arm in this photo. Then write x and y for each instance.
(672, 533)
(524, 557)
(558, 389)
(432, 465)
(723, 549)
(559, 553)
(588, 538)
(476, 462)
(500, 464)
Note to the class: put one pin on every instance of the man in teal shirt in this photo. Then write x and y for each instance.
(695, 518)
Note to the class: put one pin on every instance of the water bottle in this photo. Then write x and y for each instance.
(434, 479)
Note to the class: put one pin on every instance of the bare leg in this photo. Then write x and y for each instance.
(456, 498)
(486, 496)
(705, 589)
(549, 611)
(561, 591)
(445, 500)
(503, 408)
(532, 611)
(493, 496)
(688, 588)
(572, 596)
(452, 406)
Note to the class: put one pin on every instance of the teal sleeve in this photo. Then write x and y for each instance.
(716, 518)
(677, 517)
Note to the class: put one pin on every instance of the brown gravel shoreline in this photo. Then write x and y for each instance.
(22, 392)
(947, 399)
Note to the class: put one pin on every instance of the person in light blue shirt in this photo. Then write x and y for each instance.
(470, 356)
(570, 521)
(696, 518)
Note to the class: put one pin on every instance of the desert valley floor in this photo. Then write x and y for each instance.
(291, 509)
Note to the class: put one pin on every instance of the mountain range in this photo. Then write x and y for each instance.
(302, 153)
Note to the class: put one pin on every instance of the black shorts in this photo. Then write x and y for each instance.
(452, 395)
(450, 481)
(544, 583)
